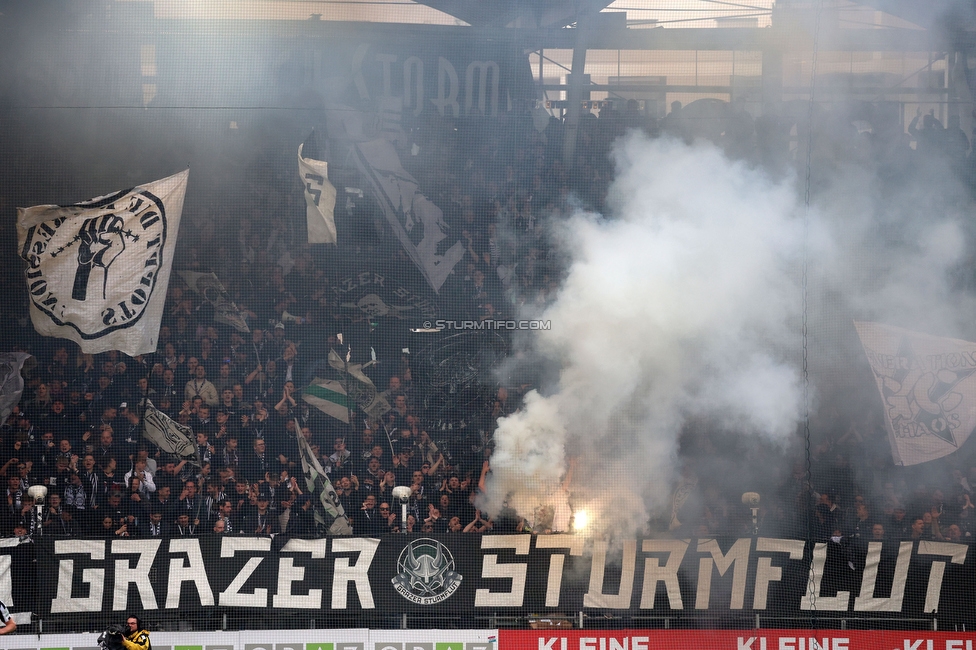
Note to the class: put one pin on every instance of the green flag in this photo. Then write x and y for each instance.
(361, 389)
(329, 397)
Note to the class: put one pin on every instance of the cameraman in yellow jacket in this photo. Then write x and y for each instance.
(136, 638)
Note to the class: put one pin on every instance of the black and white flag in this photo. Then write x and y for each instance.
(168, 434)
(320, 199)
(11, 381)
(359, 387)
(417, 222)
(209, 287)
(928, 390)
(97, 271)
(330, 517)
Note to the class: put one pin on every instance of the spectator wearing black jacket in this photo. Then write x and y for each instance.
(301, 523)
(368, 520)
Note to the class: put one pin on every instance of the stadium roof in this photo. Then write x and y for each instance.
(540, 13)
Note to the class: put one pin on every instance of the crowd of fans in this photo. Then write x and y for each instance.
(78, 427)
(78, 431)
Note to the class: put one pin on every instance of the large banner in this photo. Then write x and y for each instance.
(475, 575)
(18, 588)
(446, 70)
(418, 224)
(928, 389)
(97, 271)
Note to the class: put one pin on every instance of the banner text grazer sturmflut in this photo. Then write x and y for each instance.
(518, 574)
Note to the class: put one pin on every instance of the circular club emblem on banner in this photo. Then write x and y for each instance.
(426, 574)
(96, 272)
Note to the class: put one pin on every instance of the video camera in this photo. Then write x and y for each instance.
(111, 638)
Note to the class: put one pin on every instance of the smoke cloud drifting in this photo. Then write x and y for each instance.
(686, 306)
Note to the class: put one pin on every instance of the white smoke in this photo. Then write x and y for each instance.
(686, 305)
